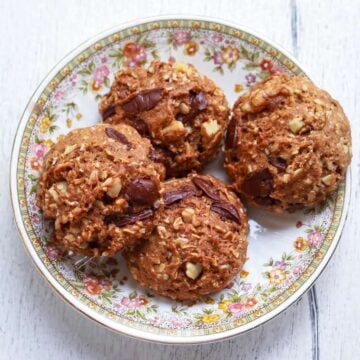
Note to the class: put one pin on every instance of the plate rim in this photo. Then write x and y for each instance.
(83, 308)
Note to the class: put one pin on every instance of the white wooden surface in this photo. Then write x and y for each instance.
(34, 322)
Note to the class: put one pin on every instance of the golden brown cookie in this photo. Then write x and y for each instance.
(199, 243)
(182, 112)
(101, 189)
(288, 144)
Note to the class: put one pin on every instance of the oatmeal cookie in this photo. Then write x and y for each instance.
(100, 188)
(182, 112)
(199, 243)
(288, 144)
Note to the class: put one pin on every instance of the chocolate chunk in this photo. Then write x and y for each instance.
(207, 187)
(259, 183)
(118, 136)
(156, 156)
(109, 111)
(184, 192)
(139, 125)
(274, 102)
(198, 103)
(128, 219)
(161, 155)
(226, 210)
(141, 192)
(278, 162)
(231, 134)
(107, 200)
(143, 101)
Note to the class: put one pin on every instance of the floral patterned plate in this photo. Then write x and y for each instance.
(286, 253)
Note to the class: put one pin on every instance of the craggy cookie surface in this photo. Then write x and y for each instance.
(182, 112)
(288, 144)
(101, 189)
(199, 243)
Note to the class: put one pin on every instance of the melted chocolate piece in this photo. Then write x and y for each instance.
(278, 162)
(143, 101)
(160, 155)
(175, 196)
(109, 111)
(129, 219)
(141, 192)
(226, 210)
(118, 136)
(139, 125)
(275, 101)
(207, 187)
(198, 103)
(231, 134)
(259, 183)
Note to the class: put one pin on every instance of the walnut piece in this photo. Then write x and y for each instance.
(193, 270)
(211, 127)
(187, 215)
(115, 188)
(296, 125)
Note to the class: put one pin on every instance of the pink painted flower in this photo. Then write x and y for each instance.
(314, 238)
(236, 308)
(39, 150)
(276, 70)
(297, 270)
(172, 59)
(250, 78)
(100, 74)
(140, 56)
(246, 287)
(218, 58)
(280, 265)
(105, 283)
(176, 324)
(131, 304)
(73, 79)
(53, 252)
(103, 59)
(131, 64)
(154, 320)
(217, 38)
(58, 94)
(36, 219)
(181, 37)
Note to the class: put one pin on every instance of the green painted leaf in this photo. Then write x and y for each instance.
(33, 177)
(140, 314)
(91, 67)
(52, 128)
(245, 53)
